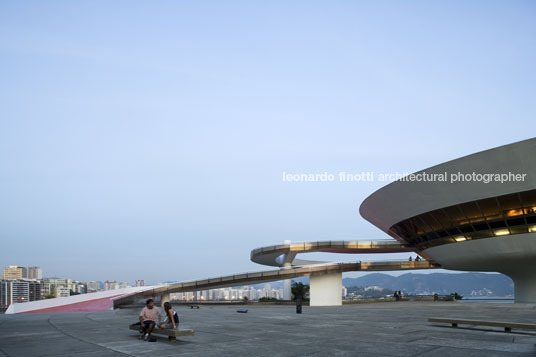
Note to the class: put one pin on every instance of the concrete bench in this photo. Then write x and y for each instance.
(508, 326)
(171, 333)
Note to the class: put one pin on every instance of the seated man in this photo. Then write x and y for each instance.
(147, 319)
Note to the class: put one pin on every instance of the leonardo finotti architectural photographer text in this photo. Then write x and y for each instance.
(404, 176)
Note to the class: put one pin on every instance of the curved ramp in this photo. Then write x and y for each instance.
(276, 255)
(275, 275)
(272, 255)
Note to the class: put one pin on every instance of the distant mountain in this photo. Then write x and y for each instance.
(369, 292)
(467, 284)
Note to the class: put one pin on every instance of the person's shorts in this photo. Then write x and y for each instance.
(170, 325)
(147, 323)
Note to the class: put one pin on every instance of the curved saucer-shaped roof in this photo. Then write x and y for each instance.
(401, 200)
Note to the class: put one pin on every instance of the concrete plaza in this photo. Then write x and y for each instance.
(373, 329)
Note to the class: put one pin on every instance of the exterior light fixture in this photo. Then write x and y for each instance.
(502, 232)
(460, 239)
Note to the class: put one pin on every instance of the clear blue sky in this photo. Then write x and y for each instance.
(155, 133)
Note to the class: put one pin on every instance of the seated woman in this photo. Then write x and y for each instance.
(172, 319)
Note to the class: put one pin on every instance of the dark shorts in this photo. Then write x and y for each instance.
(147, 323)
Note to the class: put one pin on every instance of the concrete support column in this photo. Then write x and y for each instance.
(287, 286)
(287, 263)
(164, 298)
(325, 289)
(287, 289)
(524, 284)
(525, 290)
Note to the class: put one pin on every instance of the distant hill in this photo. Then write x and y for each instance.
(467, 284)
